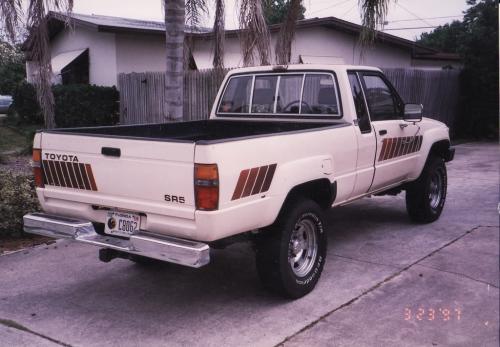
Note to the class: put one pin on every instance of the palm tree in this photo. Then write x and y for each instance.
(11, 16)
(254, 32)
(255, 39)
(175, 15)
(286, 34)
(219, 28)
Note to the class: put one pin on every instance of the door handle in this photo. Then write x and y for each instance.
(382, 132)
(111, 151)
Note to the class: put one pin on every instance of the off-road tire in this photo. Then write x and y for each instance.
(283, 239)
(426, 196)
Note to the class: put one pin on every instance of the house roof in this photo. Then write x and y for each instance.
(128, 25)
(118, 24)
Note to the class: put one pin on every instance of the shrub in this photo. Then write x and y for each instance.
(17, 197)
(25, 104)
(75, 105)
(85, 105)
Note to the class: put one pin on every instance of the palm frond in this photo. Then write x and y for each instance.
(10, 15)
(373, 13)
(40, 50)
(195, 9)
(219, 35)
(254, 32)
(283, 50)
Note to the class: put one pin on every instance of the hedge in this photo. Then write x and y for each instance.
(24, 103)
(85, 105)
(75, 105)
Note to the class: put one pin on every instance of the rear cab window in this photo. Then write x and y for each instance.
(299, 94)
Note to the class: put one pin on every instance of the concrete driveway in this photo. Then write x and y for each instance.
(387, 282)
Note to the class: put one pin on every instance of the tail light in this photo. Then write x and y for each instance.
(37, 167)
(206, 186)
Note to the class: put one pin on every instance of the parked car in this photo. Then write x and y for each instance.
(5, 102)
(282, 145)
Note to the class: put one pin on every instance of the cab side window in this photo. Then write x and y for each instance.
(382, 102)
(359, 103)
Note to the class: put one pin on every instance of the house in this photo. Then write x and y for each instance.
(98, 48)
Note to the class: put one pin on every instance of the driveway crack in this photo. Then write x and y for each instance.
(458, 274)
(15, 325)
(375, 286)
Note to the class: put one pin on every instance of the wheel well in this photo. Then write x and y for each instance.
(440, 149)
(321, 191)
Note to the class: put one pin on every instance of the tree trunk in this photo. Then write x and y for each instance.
(174, 74)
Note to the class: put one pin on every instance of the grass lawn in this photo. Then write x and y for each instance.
(15, 138)
(11, 140)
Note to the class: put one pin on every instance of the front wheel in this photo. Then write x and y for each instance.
(290, 255)
(426, 196)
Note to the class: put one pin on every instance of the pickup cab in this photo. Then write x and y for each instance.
(283, 144)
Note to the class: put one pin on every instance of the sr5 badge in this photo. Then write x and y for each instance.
(175, 198)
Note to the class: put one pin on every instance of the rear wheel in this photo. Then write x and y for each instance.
(290, 255)
(426, 196)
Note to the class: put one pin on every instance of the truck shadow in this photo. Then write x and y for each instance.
(230, 276)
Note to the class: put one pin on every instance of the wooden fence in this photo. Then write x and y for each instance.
(437, 90)
(142, 98)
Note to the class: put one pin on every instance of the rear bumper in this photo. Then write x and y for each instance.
(170, 249)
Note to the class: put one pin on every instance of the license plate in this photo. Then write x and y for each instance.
(122, 223)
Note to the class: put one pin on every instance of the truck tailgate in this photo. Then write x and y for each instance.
(134, 175)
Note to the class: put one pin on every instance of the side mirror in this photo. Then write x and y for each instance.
(413, 112)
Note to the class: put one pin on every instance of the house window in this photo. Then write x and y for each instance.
(77, 71)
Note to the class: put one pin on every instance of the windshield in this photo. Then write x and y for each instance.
(292, 94)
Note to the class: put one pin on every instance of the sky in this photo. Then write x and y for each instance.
(404, 14)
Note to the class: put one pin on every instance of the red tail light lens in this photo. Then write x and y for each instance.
(206, 186)
(37, 167)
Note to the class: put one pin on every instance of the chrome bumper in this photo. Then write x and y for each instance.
(166, 248)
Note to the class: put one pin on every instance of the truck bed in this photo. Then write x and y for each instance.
(202, 131)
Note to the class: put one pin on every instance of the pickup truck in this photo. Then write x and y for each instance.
(282, 145)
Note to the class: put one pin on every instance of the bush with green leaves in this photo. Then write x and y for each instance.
(12, 67)
(475, 38)
(25, 104)
(86, 105)
(76, 105)
(17, 197)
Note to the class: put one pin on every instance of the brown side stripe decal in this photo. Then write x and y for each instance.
(399, 146)
(250, 182)
(83, 173)
(269, 178)
(254, 181)
(241, 183)
(68, 175)
(260, 179)
(91, 177)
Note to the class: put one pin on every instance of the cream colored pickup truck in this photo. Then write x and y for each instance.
(282, 146)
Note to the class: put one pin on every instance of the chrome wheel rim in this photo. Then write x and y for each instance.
(435, 189)
(303, 247)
